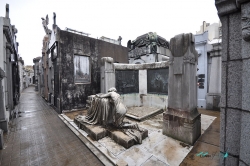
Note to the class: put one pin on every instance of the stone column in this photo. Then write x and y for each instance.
(182, 119)
(235, 88)
(214, 92)
(107, 74)
(3, 120)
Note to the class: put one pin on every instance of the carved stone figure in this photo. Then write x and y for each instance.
(245, 22)
(152, 37)
(45, 25)
(120, 40)
(108, 110)
(148, 43)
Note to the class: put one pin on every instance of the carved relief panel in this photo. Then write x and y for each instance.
(157, 81)
(127, 81)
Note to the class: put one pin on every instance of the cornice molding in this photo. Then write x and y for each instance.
(225, 7)
(7, 32)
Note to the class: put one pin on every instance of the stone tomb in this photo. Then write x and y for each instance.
(97, 132)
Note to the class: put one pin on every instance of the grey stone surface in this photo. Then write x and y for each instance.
(242, 164)
(123, 139)
(245, 137)
(245, 50)
(2, 105)
(111, 145)
(223, 84)
(234, 47)
(154, 161)
(141, 66)
(142, 113)
(222, 161)
(43, 138)
(182, 129)
(95, 132)
(233, 124)
(245, 12)
(107, 74)
(182, 120)
(4, 125)
(236, 79)
(225, 7)
(222, 129)
(246, 84)
(234, 82)
(1, 139)
(139, 157)
(143, 81)
(231, 161)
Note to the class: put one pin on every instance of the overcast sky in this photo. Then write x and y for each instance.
(109, 18)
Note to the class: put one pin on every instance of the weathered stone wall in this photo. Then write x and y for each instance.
(74, 95)
(235, 88)
(132, 83)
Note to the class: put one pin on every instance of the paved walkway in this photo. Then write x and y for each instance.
(209, 143)
(39, 137)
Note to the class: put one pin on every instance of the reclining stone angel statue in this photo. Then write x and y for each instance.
(108, 110)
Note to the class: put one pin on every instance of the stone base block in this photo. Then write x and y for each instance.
(4, 125)
(213, 101)
(97, 132)
(186, 130)
(123, 139)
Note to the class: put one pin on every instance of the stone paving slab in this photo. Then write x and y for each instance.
(208, 142)
(162, 149)
(39, 137)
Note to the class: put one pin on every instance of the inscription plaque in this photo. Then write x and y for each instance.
(157, 81)
(127, 81)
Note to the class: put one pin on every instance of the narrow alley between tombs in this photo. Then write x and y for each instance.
(38, 137)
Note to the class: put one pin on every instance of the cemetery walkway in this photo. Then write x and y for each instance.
(38, 137)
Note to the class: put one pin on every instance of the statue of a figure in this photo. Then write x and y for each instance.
(153, 41)
(107, 109)
(120, 40)
(45, 24)
(120, 109)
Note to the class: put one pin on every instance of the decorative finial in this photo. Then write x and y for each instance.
(7, 11)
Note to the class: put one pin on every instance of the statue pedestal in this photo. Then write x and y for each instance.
(97, 132)
(183, 128)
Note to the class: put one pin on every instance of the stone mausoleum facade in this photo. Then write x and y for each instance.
(148, 48)
(9, 70)
(72, 69)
